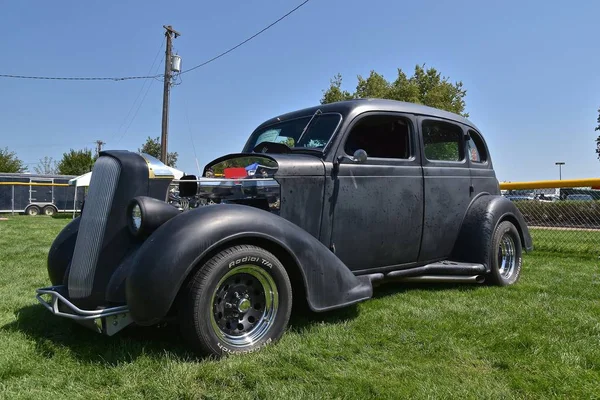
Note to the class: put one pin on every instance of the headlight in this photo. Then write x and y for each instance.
(146, 214)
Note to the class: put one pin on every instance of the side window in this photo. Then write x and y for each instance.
(381, 136)
(442, 141)
(476, 148)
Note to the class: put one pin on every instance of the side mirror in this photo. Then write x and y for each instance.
(360, 156)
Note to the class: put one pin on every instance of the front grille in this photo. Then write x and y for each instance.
(105, 177)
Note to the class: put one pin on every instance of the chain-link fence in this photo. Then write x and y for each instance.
(560, 219)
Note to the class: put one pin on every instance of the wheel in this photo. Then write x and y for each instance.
(32, 210)
(506, 255)
(49, 210)
(238, 302)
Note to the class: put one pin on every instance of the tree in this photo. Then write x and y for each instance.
(46, 166)
(152, 147)
(426, 86)
(76, 162)
(598, 138)
(9, 162)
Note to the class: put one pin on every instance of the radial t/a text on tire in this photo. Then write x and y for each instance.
(506, 255)
(237, 302)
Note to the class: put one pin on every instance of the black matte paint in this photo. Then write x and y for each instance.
(154, 213)
(335, 221)
(61, 252)
(173, 250)
(484, 215)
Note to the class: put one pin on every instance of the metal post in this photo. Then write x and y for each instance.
(12, 206)
(560, 164)
(166, 92)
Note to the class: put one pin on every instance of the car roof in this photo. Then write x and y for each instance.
(362, 105)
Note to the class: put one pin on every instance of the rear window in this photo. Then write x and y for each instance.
(475, 148)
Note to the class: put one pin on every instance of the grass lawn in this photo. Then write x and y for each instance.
(538, 339)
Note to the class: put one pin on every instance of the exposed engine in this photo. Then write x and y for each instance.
(247, 180)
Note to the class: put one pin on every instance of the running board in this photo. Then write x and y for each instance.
(442, 271)
(440, 268)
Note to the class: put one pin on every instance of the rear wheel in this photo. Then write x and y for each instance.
(506, 255)
(32, 210)
(49, 210)
(239, 301)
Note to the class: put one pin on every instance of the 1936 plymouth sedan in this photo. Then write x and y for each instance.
(335, 198)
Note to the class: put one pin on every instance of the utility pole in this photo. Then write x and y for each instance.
(169, 34)
(99, 144)
(560, 164)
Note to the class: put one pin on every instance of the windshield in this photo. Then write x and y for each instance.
(316, 136)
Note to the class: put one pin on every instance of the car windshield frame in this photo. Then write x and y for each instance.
(253, 139)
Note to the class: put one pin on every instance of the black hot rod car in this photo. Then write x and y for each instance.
(340, 196)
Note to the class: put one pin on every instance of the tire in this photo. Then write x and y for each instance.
(32, 210)
(243, 285)
(506, 255)
(49, 210)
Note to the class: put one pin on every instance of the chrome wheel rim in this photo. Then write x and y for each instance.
(244, 305)
(33, 211)
(507, 260)
(48, 211)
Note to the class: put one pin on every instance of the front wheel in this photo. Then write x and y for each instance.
(506, 255)
(237, 302)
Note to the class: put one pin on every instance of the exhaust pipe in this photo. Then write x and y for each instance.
(444, 278)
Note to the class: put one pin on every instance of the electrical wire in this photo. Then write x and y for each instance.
(185, 109)
(137, 110)
(76, 78)
(141, 90)
(126, 78)
(247, 40)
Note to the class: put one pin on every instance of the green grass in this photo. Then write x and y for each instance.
(537, 339)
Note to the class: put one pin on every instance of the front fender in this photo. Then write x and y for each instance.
(167, 257)
(61, 252)
(483, 216)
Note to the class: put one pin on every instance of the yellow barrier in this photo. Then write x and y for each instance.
(567, 183)
(32, 184)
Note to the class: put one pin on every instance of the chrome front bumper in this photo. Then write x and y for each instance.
(105, 320)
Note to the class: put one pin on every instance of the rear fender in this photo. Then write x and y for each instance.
(173, 251)
(483, 216)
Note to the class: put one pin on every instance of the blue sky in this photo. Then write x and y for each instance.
(531, 70)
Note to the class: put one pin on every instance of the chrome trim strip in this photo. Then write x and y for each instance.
(156, 168)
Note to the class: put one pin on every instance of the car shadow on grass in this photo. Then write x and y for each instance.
(54, 335)
(391, 288)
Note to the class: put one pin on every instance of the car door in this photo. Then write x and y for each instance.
(483, 177)
(447, 186)
(378, 204)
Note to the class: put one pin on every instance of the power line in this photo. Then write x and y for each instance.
(139, 94)
(75, 78)
(137, 110)
(126, 78)
(247, 40)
